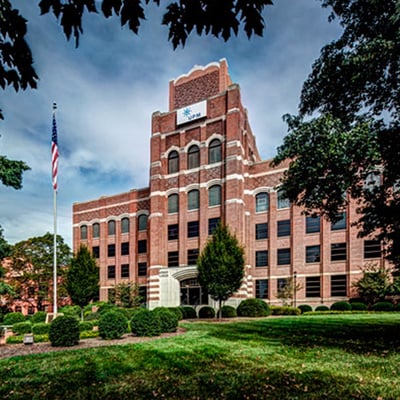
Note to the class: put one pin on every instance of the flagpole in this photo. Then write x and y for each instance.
(54, 176)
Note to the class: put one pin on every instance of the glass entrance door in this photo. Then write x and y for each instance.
(192, 293)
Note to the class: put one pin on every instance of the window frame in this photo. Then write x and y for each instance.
(212, 224)
(313, 227)
(173, 259)
(191, 253)
(173, 162)
(173, 231)
(214, 151)
(96, 230)
(111, 273)
(125, 225)
(193, 200)
(261, 258)
(341, 224)
(193, 229)
(312, 288)
(310, 254)
(83, 232)
(283, 228)
(337, 253)
(282, 255)
(173, 208)
(262, 292)
(111, 250)
(142, 226)
(142, 269)
(214, 195)
(262, 206)
(370, 248)
(338, 289)
(261, 231)
(193, 157)
(125, 271)
(111, 225)
(124, 248)
(142, 246)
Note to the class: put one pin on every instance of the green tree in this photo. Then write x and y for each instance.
(345, 139)
(126, 295)
(5, 251)
(287, 292)
(11, 171)
(32, 268)
(221, 265)
(82, 281)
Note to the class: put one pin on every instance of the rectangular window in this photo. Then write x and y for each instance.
(124, 249)
(143, 295)
(262, 289)
(142, 269)
(192, 256)
(111, 272)
(283, 202)
(284, 256)
(212, 224)
(339, 285)
(96, 251)
(125, 271)
(262, 231)
(281, 284)
(372, 249)
(142, 246)
(313, 254)
(313, 224)
(193, 229)
(284, 228)
(338, 251)
(173, 232)
(173, 259)
(262, 258)
(111, 250)
(340, 223)
(313, 286)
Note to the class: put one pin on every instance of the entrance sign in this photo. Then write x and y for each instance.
(191, 113)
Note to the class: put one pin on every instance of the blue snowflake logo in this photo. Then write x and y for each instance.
(187, 112)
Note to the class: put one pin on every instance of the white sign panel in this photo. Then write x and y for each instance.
(192, 112)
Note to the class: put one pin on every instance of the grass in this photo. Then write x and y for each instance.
(307, 357)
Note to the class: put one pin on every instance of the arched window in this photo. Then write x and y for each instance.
(111, 228)
(96, 230)
(193, 157)
(173, 203)
(124, 225)
(214, 195)
(173, 162)
(83, 232)
(193, 200)
(262, 202)
(142, 222)
(214, 151)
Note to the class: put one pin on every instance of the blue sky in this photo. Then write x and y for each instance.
(108, 88)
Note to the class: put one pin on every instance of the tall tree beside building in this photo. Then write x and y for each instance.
(221, 265)
(5, 251)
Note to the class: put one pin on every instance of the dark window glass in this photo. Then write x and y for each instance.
(284, 228)
(124, 249)
(313, 286)
(31, 310)
(262, 258)
(193, 229)
(313, 254)
(142, 222)
(143, 295)
(192, 256)
(111, 250)
(340, 224)
(96, 230)
(212, 224)
(193, 157)
(173, 232)
(339, 285)
(142, 246)
(83, 232)
(111, 272)
(214, 195)
(338, 251)
(262, 288)
(262, 202)
(173, 162)
(283, 256)
(281, 284)
(262, 231)
(173, 203)
(111, 228)
(173, 259)
(372, 249)
(283, 202)
(125, 271)
(313, 224)
(142, 269)
(193, 199)
(96, 251)
(124, 225)
(214, 151)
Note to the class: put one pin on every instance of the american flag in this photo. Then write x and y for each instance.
(54, 150)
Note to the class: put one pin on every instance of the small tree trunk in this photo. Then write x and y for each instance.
(220, 309)
(81, 313)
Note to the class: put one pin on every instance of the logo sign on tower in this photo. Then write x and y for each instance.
(192, 112)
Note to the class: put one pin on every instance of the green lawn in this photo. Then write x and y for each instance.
(306, 357)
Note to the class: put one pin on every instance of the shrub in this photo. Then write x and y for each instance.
(322, 308)
(188, 312)
(382, 306)
(206, 312)
(304, 308)
(253, 308)
(89, 334)
(228, 312)
(71, 311)
(105, 307)
(87, 325)
(40, 316)
(112, 325)
(396, 307)
(285, 310)
(341, 306)
(358, 306)
(64, 331)
(177, 311)
(41, 328)
(91, 316)
(21, 328)
(168, 319)
(13, 317)
(145, 323)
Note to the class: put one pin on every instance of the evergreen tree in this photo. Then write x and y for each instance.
(83, 278)
(221, 265)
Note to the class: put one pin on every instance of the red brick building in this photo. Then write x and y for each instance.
(205, 168)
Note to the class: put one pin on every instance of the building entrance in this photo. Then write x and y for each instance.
(192, 293)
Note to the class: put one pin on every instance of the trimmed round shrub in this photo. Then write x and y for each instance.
(177, 311)
(206, 312)
(145, 323)
(341, 306)
(253, 308)
(13, 317)
(356, 306)
(168, 319)
(64, 331)
(228, 312)
(39, 316)
(382, 306)
(304, 308)
(41, 328)
(112, 325)
(322, 308)
(188, 312)
(20, 328)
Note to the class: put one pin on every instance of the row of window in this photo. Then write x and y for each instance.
(214, 199)
(262, 201)
(125, 270)
(338, 286)
(192, 256)
(193, 156)
(193, 229)
(372, 249)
